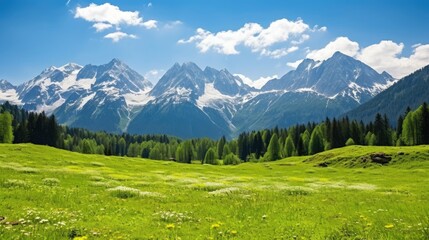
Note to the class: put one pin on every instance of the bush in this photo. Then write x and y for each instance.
(14, 183)
(231, 159)
(124, 192)
(350, 142)
(50, 181)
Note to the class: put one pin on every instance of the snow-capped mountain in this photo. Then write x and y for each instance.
(190, 102)
(104, 105)
(312, 92)
(338, 76)
(50, 89)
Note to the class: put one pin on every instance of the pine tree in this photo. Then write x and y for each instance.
(180, 154)
(316, 143)
(424, 123)
(220, 145)
(122, 146)
(273, 151)
(6, 125)
(6, 131)
(289, 147)
(305, 136)
(21, 133)
(243, 146)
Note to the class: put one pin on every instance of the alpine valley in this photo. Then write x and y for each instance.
(191, 102)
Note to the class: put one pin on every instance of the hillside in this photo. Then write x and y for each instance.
(411, 91)
(60, 194)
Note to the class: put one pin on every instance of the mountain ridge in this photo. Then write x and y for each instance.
(207, 103)
(410, 91)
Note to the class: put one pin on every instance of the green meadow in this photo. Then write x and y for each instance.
(46, 193)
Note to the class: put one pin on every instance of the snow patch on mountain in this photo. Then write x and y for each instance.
(11, 96)
(50, 108)
(211, 95)
(138, 98)
(85, 83)
(85, 100)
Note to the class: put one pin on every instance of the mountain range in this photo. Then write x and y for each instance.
(192, 102)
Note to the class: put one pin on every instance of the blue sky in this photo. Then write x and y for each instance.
(253, 38)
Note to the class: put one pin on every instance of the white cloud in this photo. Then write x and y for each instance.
(116, 36)
(278, 31)
(173, 24)
(294, 64)
(383, 56)
(149, 4)
(107, 15)
(253, 36)
(342, 44)
(323, 29)
(150, 24)
(386, 56)
(154, 75)
(278, 53)
(259, 83)
(302, 39)
(101, 26)
(68, 2)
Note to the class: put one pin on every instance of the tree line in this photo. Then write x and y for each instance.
(20, 126)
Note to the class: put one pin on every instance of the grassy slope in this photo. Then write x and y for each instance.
(56, 194)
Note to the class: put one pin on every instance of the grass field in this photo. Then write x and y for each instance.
(46, 193)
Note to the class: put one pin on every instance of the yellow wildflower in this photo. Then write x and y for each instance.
(215, 226)
(389, 226)
(81, 238)
(233, 232)
(170, 226)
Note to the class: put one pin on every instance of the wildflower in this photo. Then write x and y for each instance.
(389, 226)
(233, 232)
(81, 238)
(215, 226)
(43, 221)
(170, 226)
(369, 224)
(264, 217)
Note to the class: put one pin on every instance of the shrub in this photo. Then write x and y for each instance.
(350, 142)
(14, 183)
(50, 181)
(231, 159)
(124, 192)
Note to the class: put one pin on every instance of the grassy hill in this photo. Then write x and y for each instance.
(46, 193)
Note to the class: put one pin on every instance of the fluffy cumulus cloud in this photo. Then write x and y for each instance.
(255, 37)
(383, 56)
(342, 44)
(116, 36)
(386, 56)
(107, 16)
